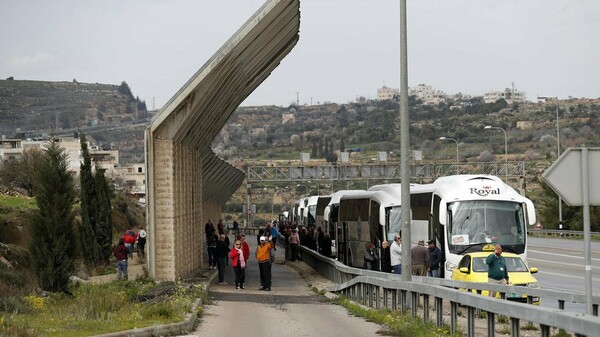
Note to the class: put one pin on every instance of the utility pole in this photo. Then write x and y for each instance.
(404, 146)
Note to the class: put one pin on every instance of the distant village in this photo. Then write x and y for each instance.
(131, 177)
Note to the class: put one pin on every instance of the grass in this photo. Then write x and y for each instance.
(396, 323)
(17, 202)
(98, 309)
(562, 333)
(530, 326)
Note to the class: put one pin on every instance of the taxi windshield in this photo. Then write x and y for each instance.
(513, 264)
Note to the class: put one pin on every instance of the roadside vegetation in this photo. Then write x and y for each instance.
(46, 221)
(91, 309)
(396, 323)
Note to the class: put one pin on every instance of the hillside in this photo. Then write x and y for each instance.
(35, 107)
(269, 133)
(107, 114)
(31, 109)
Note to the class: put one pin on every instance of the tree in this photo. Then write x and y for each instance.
(20, 173)
(52, 238)
(548, 211)
(125, 90)
(104, 219)
(89, 208)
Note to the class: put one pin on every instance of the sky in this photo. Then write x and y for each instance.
(347, 48)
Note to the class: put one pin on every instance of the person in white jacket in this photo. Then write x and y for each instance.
(395, 255)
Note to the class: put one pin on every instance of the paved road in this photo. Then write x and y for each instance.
(290, 309)
(561, 266)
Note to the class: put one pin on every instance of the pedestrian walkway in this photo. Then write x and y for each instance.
(290, 309)
(135, 268)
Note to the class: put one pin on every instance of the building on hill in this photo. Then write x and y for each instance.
(425, 93)
(133, 179)
(509, 95)
(107, 159)
(524, 125)
(385, 93)
(428, 94)
(288, 117)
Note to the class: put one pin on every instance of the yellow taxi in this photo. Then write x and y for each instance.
(472, 268)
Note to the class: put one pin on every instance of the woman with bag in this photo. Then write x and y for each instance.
(238, 262)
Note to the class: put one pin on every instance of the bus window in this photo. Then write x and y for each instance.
(394, 222)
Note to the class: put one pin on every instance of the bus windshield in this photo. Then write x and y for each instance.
(482, 222)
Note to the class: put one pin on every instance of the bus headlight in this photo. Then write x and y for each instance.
(450, 266)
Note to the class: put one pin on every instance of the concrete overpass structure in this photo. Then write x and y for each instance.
(187, 182)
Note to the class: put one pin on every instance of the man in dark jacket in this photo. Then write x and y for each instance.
(435, 258)
(386, 264)
(221, 254)
(325, 245)
(497, 272)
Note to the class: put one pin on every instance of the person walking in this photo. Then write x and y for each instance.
(386, 264)
(141, 242)
(236, 228)
(245, 247)
(497, 272)
(294, 241)
(208, 229)
(325, 245)
(274, 235)
(221, 253)
(129, 239)
(396, 255)
(419, 256)
(435, 259)
(263, 255)
(286, 242)
(238, 262)
(221, 227)
(211, 244)
(370, 260)
(121, 253)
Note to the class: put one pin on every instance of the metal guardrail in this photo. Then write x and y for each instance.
(379, 290)
(381, 171)
(558, 233)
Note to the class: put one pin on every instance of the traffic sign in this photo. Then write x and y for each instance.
(566, 178)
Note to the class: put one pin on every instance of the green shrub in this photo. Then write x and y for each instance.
(8, 329)
(159, 310)
(13, 305)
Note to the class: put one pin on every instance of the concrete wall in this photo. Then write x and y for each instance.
(178, 210)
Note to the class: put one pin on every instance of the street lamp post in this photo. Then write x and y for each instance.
(456, 141)
(560, 219)
(489, 127)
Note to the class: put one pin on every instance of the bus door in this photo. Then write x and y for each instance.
(342, 247)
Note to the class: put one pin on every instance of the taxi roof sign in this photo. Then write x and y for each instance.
(488, 248)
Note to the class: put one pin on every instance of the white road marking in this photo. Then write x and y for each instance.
(555, 254)
(567, 276)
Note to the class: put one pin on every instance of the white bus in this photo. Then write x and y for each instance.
(365, 217)
(464, 213)
(330, 213)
